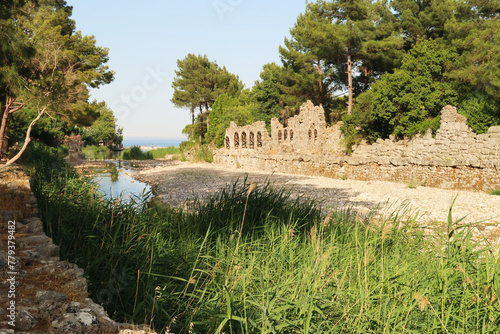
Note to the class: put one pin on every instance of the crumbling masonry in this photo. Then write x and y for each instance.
(455, 157)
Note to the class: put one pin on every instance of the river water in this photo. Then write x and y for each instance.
(117, 181)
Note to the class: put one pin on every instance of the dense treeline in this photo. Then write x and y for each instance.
(46, 71)
(384, 68)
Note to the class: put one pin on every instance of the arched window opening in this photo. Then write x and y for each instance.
(291, 135)
(285, 134)
(310, 134)
(243, 140)
(280, 134)
(251, 137)
(228, 143)
(315, 134)
(259, 139)
(236, 140)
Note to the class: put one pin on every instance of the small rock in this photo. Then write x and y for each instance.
(25, 321)
(73, 307)
(34, 225)
(35, 240)
(77, 323)
(107, 325)
(78, 284)
(51, 295)
(6, 216)
(49, 250)
(7, 331)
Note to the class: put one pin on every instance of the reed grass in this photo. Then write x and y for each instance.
(164, 151)
(258, 261)
(203, 154)
(96, 152)
(135, 153)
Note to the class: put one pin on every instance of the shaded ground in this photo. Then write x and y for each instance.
(178, 182)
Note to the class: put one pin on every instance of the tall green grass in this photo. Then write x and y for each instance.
(96, 152)
(163, 151)
(253, 260)
(135, 153)
(203, 154)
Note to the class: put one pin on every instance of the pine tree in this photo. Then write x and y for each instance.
(423, 19)
(333, 38)
(198, 83)
(55, 78)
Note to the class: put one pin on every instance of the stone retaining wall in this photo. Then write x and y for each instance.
(455, 157)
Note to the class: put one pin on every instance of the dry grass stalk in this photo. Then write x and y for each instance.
(327, 220)
(251, 187)
(386, 231)
(423, 302)
(492, 296)
(467, 280)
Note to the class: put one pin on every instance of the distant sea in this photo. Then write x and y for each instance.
(156, 142)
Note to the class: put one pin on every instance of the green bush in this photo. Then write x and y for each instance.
(203, 154)
(187, 145)
(408, 101)
(162, 152)
(135, 153)
(96, 152)
(224, 110)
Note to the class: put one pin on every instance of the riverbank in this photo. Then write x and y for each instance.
(40, 293)
(179, 182)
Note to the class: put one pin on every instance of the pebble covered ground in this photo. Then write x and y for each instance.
(176, 182)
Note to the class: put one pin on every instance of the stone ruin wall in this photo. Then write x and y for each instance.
(455, 157)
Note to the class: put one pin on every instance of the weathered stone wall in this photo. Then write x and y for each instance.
(455, 145)
(455, 157)
(15, 193)
(75, 154)
(253, 136)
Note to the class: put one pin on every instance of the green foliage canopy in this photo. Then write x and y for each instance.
(224, 110)
(403, 103)
(198, 83)
(104, 127)
(55, 77)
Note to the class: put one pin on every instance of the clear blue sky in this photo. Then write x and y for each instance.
(146, 38)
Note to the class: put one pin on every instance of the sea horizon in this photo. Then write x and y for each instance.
(151, 141)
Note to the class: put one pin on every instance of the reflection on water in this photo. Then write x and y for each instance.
(116, 181)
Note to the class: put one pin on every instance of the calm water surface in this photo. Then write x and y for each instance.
(123, 185)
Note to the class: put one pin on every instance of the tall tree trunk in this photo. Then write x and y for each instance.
(192, 123)
(3, 135)
(208, 115)
(26, 140)
(320, 84)
(366, 79)
(7, 112)
(349, 81)
(201, 124)
(3, 126)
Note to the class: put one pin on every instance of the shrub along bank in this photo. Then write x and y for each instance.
(252, 259)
